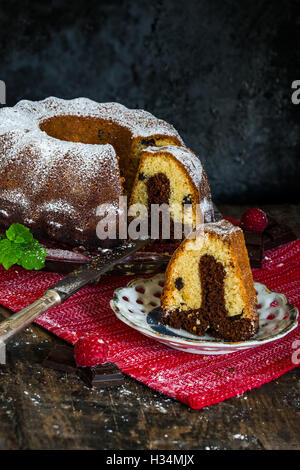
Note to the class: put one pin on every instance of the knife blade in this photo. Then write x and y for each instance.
(63, 289)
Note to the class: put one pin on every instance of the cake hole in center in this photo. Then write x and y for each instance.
(89, 130)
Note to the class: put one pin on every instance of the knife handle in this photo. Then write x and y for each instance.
(20, 320)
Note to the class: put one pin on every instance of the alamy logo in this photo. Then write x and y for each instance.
(2, 92)
(296, 94)
(139, 221)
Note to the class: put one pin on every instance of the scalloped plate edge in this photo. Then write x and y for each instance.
(209, 346)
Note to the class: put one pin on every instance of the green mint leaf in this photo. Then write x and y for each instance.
(10, 253)
(21, 248)
(17, 233)
(33, 256)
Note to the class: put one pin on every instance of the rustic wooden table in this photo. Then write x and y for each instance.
(44, 409)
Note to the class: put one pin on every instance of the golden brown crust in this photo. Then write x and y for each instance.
(244, 273)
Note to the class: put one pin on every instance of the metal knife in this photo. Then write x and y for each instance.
(63, 289)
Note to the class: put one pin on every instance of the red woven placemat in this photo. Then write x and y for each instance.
(195, 380)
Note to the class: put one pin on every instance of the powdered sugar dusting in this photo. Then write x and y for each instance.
(21, 127)
(58, 206)
(207, 209)
(140, 122)
(222, 227)
(186, 157)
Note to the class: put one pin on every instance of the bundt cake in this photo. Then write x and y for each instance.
(60, 159)
(209, 285)
(173, 175)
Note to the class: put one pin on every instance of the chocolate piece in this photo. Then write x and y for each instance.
(256, 255)
(277, 234)
(253, 238)
(187, 199)
(142, 177)
(255, 247)
(179, 283)
(102, 376)
(274, 235)
(147, 142)
(61, 358)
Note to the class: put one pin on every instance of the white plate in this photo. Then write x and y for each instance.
(134, 305)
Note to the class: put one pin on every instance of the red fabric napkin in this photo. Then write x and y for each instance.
(195, 380)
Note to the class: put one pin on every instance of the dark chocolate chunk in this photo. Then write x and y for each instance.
(273, 236)
(277, 234)
(256, 254)
(253, 238)
(179, 283)
(61, 358)
(142, 177)
(255, 247)
(147, 142)
(187, 199)
(101, 133)
(102, 376)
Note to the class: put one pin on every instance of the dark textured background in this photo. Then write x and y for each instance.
(220, 71)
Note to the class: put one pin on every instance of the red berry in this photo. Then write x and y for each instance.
(254, 220)
(90, 350)
(232, 220)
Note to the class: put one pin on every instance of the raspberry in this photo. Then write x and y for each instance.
(254, 220)
(90, 350)
(232, 220)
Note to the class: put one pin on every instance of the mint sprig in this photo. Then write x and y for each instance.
(20, 247)
(19, 234)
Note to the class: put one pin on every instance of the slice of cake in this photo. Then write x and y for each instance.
(174, 176)
(209, 285)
